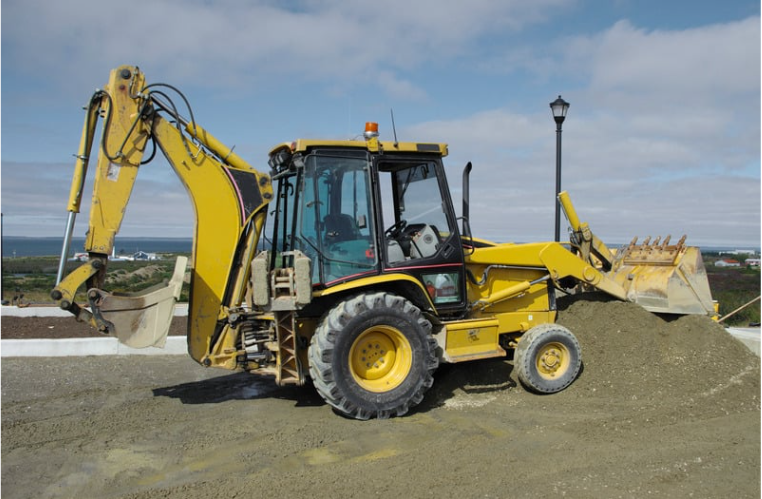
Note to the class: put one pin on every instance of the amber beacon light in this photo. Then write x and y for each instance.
(371, 130)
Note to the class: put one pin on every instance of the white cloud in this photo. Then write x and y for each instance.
(228, 43)
(659, 140)
(691, 65)
(663, 132)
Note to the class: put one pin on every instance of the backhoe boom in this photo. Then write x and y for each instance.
(228, 196)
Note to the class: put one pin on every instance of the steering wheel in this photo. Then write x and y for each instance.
(395, 230)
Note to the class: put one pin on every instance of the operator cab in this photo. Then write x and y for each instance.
(357, 213)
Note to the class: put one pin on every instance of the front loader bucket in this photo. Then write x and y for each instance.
(141, 319)
(664, 278)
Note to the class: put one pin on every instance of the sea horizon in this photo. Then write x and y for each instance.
(22, 246)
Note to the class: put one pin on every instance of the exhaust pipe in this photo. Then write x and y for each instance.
(466, 190)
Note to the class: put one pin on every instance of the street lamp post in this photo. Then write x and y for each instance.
(559, 108)
(2, 254)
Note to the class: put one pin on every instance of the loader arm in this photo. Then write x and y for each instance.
(586, 244)
(558, 262)
(229, 198)
(659, 276)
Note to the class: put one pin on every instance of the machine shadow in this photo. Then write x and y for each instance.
(450, 380)
(489, 376)
(239, 386)
(469, 379)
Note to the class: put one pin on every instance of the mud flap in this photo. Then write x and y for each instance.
(141, 319)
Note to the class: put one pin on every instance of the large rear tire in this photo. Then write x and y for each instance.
(373, 356)
(548, 358)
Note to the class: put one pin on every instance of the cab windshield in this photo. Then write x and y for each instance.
(334, 224)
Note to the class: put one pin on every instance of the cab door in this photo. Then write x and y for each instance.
(421, 235)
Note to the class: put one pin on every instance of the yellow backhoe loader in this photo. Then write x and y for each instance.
(367, 282)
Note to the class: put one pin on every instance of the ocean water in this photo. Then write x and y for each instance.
(15, 246)
(51, 246)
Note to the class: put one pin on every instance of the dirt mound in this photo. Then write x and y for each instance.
(627, 349)
(671, 366)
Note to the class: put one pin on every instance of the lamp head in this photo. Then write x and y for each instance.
(559, 107)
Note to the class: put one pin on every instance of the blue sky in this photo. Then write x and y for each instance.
(662, 136)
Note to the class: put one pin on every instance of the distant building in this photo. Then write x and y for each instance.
(751, 262)
(727, 262)
(143, 256)
(140, 256)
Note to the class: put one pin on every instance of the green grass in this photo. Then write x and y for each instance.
(34, 277)
(733, 287)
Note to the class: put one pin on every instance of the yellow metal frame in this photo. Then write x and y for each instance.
(226, 232)
(366, 283)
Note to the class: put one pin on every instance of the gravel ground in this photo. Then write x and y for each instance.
(661, 409)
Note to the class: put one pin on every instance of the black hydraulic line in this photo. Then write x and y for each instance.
(182, 96)
(106, 126)
(179, 121)
(153, 152)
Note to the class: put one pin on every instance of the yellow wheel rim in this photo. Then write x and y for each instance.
(553, 360)
(380, 358)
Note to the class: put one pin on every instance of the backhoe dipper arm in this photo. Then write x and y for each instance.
(229, 198)
(122, 145)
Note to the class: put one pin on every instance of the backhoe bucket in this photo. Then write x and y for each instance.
(664, 278)
(141, 319)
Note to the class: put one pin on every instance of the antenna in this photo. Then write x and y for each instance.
(394, 129)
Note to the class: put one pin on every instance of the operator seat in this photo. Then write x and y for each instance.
(425, 241)
(340, 227)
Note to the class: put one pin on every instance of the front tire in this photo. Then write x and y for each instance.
(373, 356)
(548, 358)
